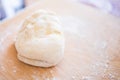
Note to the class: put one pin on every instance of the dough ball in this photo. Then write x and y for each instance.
(40, 42)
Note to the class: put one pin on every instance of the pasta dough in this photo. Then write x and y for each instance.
(40, 42)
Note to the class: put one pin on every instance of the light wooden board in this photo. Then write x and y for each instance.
(92, 48)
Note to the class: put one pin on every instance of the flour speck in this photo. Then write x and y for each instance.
(111, 76)
(53, 78)
(20, 79)
(73, 77)
(35, 77)
(47, 79)
(14, 69)
(2, 68)
(88, 78)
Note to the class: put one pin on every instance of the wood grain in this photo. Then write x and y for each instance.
(92, 49)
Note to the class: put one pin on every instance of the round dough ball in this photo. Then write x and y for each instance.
(40, 42)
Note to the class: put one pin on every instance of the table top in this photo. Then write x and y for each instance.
(92, 45)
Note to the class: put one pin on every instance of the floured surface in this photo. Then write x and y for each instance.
(91, 52)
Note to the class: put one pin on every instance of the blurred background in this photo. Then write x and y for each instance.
(8, 8)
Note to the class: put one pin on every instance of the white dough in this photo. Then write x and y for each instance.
(40, 41)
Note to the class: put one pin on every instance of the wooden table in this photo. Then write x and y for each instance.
(92, 49)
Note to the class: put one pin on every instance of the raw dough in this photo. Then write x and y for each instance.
(40, 42)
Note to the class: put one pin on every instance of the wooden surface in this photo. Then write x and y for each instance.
(92, 49)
